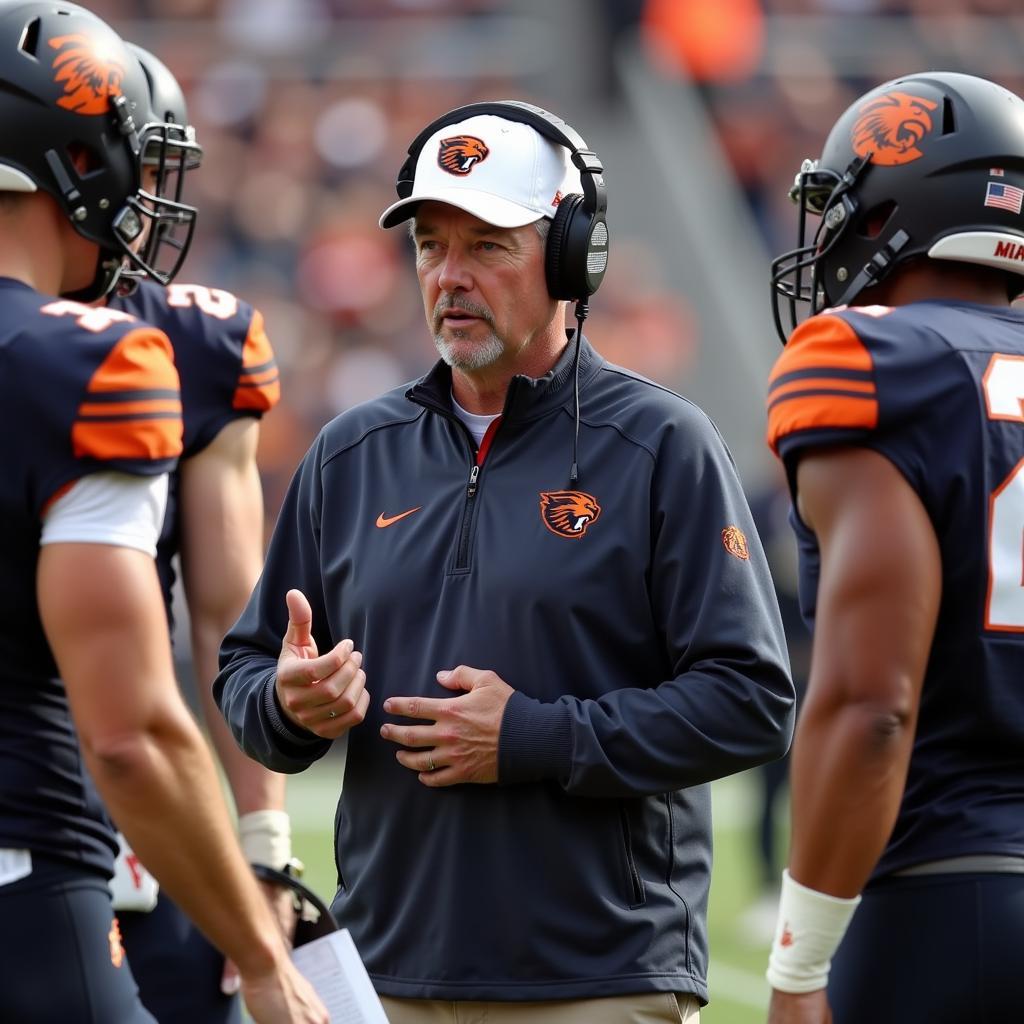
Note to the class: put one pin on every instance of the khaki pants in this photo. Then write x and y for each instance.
(642, 1008)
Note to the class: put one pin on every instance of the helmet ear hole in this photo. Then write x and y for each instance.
(84, 158)
(873, 223)
(30, 39)
(948, 116)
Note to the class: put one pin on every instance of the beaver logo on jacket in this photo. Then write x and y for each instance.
(735, 541)
(568, 513)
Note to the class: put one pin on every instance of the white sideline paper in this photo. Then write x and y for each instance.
(332, 965)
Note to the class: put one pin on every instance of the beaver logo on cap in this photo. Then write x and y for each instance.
(459, 154)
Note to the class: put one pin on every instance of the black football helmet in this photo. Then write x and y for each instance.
(930, 165)
(170, 148)
(73, 100)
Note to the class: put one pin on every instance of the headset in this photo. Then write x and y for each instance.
(576, 255)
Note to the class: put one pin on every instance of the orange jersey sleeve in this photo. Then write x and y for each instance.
(259, 384)
(823, 379)
(132, 406)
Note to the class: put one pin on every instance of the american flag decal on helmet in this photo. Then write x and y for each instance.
(1003, 196)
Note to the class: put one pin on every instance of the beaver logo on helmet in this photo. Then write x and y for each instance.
(459, 154)
(891, 128)
(90, 78)
(568, 513)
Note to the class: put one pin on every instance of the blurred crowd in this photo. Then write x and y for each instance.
(776, 74)
(305, 108)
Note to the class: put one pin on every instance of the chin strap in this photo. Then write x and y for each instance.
(876, 268)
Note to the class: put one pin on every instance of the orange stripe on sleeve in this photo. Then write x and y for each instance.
(108, 410)
(866, 387)
(824, 378)
(132, 409)
(822, 341)
(264, 377)
(260, 389)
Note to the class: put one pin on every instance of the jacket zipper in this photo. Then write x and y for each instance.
(636, 885)
(462, 550)
(462, 545)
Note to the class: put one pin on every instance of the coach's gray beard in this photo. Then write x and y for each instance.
(487, 352)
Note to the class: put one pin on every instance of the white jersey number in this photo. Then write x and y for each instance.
(90, 318)
(1003, 385)
(213, 302)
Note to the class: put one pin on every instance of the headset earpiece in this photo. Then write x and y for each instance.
(577, 248)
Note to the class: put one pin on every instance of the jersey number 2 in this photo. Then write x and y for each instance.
(212, 301)
(1003, 385)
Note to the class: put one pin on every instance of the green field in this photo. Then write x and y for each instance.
(739, 993)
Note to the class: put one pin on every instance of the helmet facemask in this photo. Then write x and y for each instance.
(158, 213)
(796, 275)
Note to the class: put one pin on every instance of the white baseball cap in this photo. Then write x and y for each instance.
(504, 172)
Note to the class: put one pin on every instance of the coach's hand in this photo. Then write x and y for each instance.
(802, 1008)
(461, 744)
(324, 693)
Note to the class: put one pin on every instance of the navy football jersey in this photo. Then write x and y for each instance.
(937, 388)
(227, 370)
(82, 390)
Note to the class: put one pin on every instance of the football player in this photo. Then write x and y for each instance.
(90, 406)
(215, 522)
(897, 411)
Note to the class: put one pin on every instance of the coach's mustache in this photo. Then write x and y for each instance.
(447, 302)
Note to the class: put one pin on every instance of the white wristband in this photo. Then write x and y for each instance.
(810, 927)
(132, 887)
(266, 838)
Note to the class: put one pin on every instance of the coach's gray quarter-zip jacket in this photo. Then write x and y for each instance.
(634, 616)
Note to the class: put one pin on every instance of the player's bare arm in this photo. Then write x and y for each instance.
(878, 599)
(221, 555)
(221, 508)
(877, 604)
(104, 616)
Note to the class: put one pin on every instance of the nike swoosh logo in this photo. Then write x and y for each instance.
(383, 520)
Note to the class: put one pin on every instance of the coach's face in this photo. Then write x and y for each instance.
(483, 287)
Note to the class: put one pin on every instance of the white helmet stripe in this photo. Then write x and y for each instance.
(13, 180)
(997, 249)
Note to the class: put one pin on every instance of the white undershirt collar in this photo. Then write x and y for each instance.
(476, 423)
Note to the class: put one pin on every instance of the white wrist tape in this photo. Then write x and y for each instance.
(266, 838)
(132, 887)
(810, 927)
